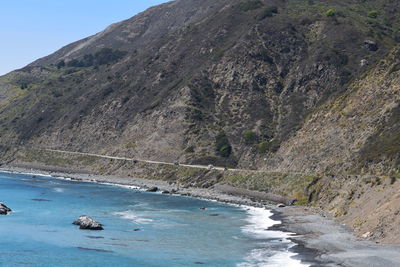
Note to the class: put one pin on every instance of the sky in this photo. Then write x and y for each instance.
(31, 29)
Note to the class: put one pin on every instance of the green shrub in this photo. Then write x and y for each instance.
(189, 149)
(373, 14)
(61, 64)
(249, 5)
(102, 57)
(222, 146)
(330, 13)
(263, 147)
(266, 146)
(249, 137)
(75, 63)
(267, 12)
(108, 55)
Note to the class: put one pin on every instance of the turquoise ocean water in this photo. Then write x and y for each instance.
(141, 229)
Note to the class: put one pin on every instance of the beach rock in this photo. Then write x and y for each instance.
(4, 210)
(88, 223)
(152, 189)
(281, 205)
(166, 192)
(367, 235)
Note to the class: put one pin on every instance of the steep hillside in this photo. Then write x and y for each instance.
(223, 82)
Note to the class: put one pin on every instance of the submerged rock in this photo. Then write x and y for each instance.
(4, 210)
(88, 223)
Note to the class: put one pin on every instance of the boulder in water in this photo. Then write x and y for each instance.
(153, 189)
(4, 210)
(88, 223)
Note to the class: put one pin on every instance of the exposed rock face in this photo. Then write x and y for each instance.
(4, 210)
(88, 223)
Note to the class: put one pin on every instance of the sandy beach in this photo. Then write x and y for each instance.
(320, 240)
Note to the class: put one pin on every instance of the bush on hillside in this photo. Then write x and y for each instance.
(266, 146)
(61, 64)
(102, 57)
(330, 13)
(267, 12)
(373, 14)
(263, 147)
(249, 5)
(222, 146)
(249, 137)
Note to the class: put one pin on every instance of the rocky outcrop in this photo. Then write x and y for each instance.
(4, 210)
(88, 223)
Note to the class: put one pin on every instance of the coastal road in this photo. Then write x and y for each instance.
(138, 160)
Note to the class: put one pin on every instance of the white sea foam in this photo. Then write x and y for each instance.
(259, 222)
(130, 215)
(59, 190)
(121, 185)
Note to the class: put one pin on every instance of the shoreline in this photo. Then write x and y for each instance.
(318, 239)
(303, 254)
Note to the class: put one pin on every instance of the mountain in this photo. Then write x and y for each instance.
(306, 86)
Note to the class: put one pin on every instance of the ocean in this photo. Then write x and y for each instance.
(140, 228)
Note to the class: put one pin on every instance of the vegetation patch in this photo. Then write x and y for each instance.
(222, 146)
(102, 57)
(263, 147)
(249, 137)
(267, 12)
(330, 13)
(189, 149)
(373, 14)
(291, 185)
(249, 5)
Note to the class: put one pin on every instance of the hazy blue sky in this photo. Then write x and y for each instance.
(30, 29)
